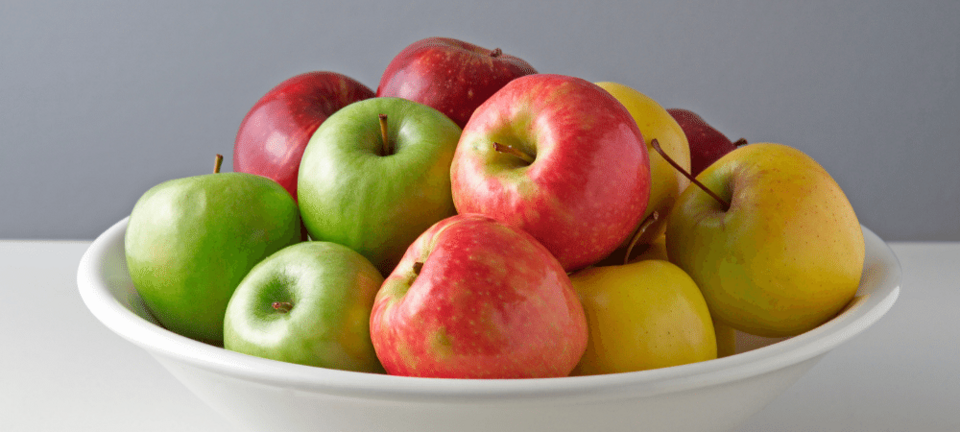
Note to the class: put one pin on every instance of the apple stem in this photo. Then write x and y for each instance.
(656, 146)
(503, 148)
(636, 237)
(740, 142)
(385, 150)
(282, 307)
(216, 163)
(496, 53)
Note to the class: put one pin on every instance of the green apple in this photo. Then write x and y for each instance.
(643, 315)
(782, 254)
(309, 304)
(666, 183)
(190, 241)
(375, 186)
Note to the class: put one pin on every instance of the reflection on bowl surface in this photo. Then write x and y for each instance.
(265, 395)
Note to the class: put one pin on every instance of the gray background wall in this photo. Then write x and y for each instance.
(99, 100)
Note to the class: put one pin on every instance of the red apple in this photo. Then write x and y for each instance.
(474, 298)
(706, 143)
(449, 75)
(559, 158)
(275, 132)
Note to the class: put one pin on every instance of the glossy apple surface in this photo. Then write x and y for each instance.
(582, 181)
(643, 315)
(354, 194)
(666, 183)
(276, 130)
(190, 242)
(787, 254)
(308, 303)
(450, 75)
(706, 143)
(474, 298)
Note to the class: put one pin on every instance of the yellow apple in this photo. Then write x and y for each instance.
(726, 335)
(787, 253)
(644, 315)
(656, 123)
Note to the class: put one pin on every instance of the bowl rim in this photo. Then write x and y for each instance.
(99, 265)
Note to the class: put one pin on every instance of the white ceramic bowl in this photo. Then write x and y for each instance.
(265, 395)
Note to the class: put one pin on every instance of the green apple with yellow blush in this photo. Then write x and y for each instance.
(771, 240)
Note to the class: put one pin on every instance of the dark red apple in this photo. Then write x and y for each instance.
(560, 158)
(474, 298)
(452, 76)
(706, 143)
(276, 130)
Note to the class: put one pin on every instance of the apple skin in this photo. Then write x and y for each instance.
(488, 301)
(308, 303)
(785, 257)
(190, 241)
(726, 335)
(588, 186)
(274, 133)
(378, 205)
(450, 75)
(667, 183)
(706, 143)
(643, 315)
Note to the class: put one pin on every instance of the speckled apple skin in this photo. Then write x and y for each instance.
(488, 302)
(589, 184)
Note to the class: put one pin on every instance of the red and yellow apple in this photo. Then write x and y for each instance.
(475, 298)
(559, 158)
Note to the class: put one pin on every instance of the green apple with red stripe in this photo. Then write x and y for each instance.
(475, 298)
(559, 158)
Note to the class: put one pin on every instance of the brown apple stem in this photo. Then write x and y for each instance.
(282, 307)
(496, 53)
(385, 150)
(216, 163)
(503, 148)
(740, 142)
(640, 231)
(656, 146)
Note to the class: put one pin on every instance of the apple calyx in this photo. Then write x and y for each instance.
(385, 150)
(656, 146)
(513, 151)
(417, 266)
(497, 52)
(282, 307)
(651, 218)
(217, 162)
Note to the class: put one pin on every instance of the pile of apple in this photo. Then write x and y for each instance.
(474, 218)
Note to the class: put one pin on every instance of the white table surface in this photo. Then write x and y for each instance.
(64, 371)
